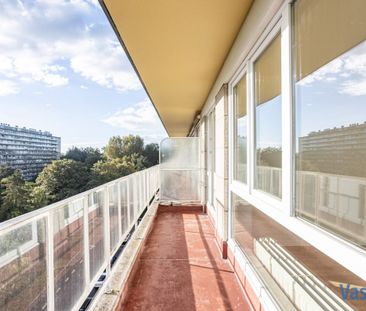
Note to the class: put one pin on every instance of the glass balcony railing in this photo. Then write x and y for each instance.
(52, 258)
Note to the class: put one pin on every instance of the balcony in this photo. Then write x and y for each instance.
(56, 257)
(70, 255)
(259, 203)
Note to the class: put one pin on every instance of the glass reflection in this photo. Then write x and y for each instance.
(240, 101)
(287, 263)
(268, 135)
(331, 145)
(23, 267)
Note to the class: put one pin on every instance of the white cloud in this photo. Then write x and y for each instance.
(137, 117)
(354, 88)
(348, 72)
(55, 80)
(8, 88)
(46, 40)
(325, 72)
(141, 119)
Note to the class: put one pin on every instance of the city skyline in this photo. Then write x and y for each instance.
(63, 70)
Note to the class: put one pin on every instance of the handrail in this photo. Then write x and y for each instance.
(42, 210)
(51, 258)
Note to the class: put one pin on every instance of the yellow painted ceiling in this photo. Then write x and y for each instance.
(178, 48)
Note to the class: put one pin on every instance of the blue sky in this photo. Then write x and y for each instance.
(63, 70)
(334, 95)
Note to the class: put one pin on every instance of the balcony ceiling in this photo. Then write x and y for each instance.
(177, 48)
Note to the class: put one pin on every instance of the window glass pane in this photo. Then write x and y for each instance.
(331, 115)
(240, 102)
(288, 265)
(267, 75)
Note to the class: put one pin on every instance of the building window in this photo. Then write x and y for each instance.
(268, 137)
(330, 57)
(240, 123)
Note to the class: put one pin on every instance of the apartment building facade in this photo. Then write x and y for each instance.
(27, 150)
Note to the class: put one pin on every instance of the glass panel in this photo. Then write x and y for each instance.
(113, 215)
(180, 185)
(331, 116)
(131, 186)
(23, 268)
(68, 255)
(96, 225)
(180, 152)
(124, 207)
(180, 169)
(140, 192)
(268, 136)
(240, 103)
(289, 266)
(136, 189)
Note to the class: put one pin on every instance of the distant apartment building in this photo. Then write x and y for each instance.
(28, 150)
(339, 150)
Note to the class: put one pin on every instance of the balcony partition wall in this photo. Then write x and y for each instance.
(50, 259)
(180, 169)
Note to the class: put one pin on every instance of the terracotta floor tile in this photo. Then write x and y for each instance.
(181, 267)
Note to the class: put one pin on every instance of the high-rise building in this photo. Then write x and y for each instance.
(28, 150)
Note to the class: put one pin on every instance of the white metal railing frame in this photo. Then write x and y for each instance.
(146, 183)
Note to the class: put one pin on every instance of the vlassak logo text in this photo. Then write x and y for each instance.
(349, 292)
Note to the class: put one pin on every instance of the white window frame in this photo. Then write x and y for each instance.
(282, 211)
(262, 195)
(243, 70)
(211, 163)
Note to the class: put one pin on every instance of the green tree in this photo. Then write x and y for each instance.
(135, 161)
(15, 196)
(119, 147)
(5, 171)
(105, 171)
(151, 153)
(62, 179)
(87, 155)
(38, 197)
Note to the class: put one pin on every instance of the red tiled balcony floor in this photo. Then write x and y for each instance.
(181, 268)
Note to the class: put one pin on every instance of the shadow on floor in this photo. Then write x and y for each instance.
(181, 268)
